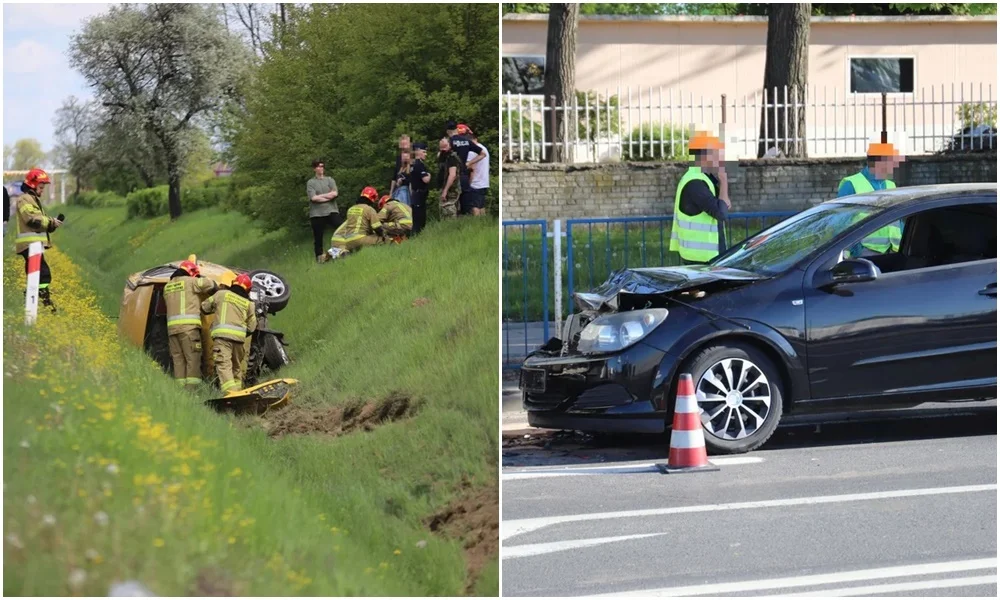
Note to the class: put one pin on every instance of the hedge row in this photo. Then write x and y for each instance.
(97, 199)
(153, 202)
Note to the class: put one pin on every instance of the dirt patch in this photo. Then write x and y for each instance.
(212, 582)
(421, 302)
(341, 419)
(473, 518)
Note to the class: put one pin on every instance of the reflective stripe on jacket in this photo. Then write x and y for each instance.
(234, 315)
(361, 221)
(396, 214)
(183, 296)
(32, 223)
(695, 238)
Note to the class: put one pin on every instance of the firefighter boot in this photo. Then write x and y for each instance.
(46, 298)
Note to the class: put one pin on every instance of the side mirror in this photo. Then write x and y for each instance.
(853, 270)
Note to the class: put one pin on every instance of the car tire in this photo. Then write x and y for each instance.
(275, 356)
(274, 286)
(742, 360)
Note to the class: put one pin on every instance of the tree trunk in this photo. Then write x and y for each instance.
(786, 64)
(174, 195)
(560, 73)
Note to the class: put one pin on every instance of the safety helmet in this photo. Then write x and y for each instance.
(702, 140)
(191, 268)
(243, 280)
(35, 177)
(463, 129)
(370, 193)
(382, 201)
(882, 150)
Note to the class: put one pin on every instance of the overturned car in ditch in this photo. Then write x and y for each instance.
(802, 317)
(142, 317)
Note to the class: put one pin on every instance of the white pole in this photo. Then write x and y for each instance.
(62, 189)
(34, 272)
(557, 271)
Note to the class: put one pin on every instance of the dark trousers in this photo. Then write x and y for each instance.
(319, 226)
(418, 203)
(44, 275)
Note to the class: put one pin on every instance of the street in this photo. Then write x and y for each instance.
(904, 504)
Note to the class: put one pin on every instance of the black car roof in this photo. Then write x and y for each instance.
(917, 194)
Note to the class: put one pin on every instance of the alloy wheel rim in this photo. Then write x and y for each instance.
(272, 285)
(734, 397)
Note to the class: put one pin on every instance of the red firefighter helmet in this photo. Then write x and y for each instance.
(191, 268)
(463, 129)
(370, 193)
(243, 280)
(35, 177)
(382, 201)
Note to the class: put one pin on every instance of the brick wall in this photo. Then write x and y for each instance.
(634, 189)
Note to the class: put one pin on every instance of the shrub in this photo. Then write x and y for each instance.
(153, 202)
(147, 203)
(676, 150)
(96, 199)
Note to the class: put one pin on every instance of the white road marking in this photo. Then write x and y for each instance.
(719, 589)
(891, 588)
(536, 549)
(606, 469)
(518, 526)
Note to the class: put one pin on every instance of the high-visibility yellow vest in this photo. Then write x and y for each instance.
(695, 238)
(886, 237)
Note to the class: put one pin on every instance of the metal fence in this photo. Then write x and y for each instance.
(653, 123)
(593, 248)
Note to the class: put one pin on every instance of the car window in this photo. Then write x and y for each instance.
(784, 245)
(936, 237)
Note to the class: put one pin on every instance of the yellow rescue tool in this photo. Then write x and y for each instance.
(257, 400)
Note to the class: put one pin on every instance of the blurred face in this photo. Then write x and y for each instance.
(405, 157)
(404, 142)
(420, 154)
(320, 169)
(710, 160)
(444, 145)
(884, 167)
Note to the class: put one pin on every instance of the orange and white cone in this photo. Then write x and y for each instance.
(687, 438)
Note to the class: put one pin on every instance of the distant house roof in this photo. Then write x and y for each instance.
(744, 19)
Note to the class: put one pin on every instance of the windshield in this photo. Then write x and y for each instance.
(781, 247)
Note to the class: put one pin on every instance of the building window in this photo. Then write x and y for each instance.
(877, 75)
(523, 74)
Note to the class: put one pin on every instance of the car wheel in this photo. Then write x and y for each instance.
(275, 356)
(273, 286)
(739, 392)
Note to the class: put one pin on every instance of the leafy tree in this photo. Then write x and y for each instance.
(347, 82)
(26, 154)
(75, 126)
(165, 68)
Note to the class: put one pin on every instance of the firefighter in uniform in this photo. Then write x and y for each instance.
(882, 160)
(396, 218)
(235, 320)
(33, 225)
(184, 294)
(701, 203)
(361, 228)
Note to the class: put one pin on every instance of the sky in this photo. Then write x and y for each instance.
(35, 45)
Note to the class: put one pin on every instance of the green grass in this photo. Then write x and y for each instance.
(598, 251)
(355, 334)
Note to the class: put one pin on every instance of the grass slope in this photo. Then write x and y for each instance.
(308, 514)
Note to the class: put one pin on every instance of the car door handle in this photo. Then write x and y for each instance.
(989, 290)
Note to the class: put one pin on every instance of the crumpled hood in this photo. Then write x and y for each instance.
(656, 280)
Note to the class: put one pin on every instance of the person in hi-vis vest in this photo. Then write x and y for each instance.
(882, 161)
(701, 203)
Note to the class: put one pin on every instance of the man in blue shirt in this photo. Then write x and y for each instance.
(882, 162)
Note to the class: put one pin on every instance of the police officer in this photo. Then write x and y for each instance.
(33, 225)
(462, 145)
(419, 178)
(701, 203)
(881, 162)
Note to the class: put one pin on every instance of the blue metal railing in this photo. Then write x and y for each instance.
(525, 278)
(652, 242)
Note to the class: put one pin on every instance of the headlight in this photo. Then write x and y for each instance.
(620, 330)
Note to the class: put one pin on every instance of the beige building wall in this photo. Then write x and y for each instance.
(699, 59)
(706, 58)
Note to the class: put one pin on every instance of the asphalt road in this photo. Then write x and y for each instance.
(890, 506)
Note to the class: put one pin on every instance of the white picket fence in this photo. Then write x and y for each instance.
(654, 123)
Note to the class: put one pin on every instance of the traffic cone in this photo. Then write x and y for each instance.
(687, 438)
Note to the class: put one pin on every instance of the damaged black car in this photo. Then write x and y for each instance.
(813, 314)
